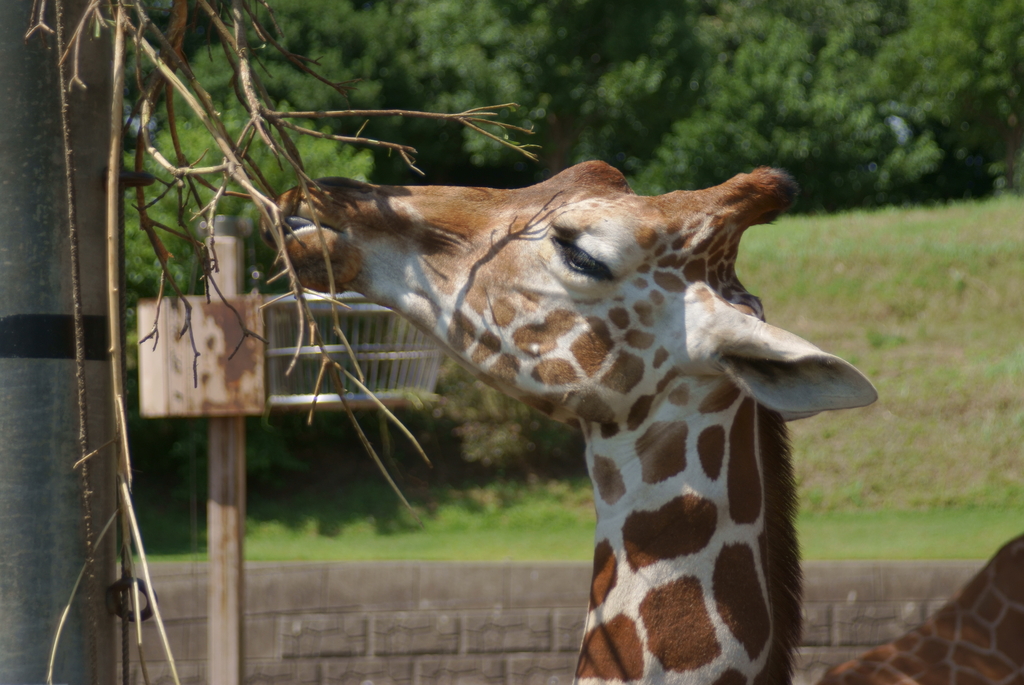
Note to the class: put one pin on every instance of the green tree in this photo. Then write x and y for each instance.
(594, 78)
(794, 85)
(961, 63)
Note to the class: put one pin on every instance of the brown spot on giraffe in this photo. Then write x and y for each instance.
(487, 345)
(966, 677)
(744, 480)
(608, 479)
(660, 356)
(645, 312)
(944, 623)
(662, 450)
(739, 599)
(540, 338)
(933, 650)
(609, 430)
(505, 368)
(695, 270)
(639, 411)
(592, 346)
(656, 297)
(532, 299)
(591, 407)
(640, 283)
(1010, 635)
(619, 316)
(476, 299)
(605, 573)
(731, 677)
(684, 525)
(625, 373)
(612, 651)
(461, 332)
(554, 372)
(711, 449)
(937, 675)
(679, 631)
(719, 399)
(639, 339)
(669, 281)
(503, 311)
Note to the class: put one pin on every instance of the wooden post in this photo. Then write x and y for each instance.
(225, 512)
(225, 508)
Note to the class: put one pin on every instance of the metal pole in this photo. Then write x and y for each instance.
(42, 525)
(225, 524)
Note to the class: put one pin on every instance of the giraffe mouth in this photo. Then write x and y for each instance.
(299, 227)
(314, 249)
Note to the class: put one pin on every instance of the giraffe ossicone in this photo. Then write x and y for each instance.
(622, 314)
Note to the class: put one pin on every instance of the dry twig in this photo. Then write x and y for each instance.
(162, 74)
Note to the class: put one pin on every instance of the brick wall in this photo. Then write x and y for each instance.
(426, 623)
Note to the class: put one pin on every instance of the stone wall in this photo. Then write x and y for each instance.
(428, 623)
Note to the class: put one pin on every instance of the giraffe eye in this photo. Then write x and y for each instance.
(580, 261)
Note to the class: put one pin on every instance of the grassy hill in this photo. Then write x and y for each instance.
(929, 303)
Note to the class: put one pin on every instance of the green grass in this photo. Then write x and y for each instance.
(929, 303)
(934, 534)
(555, 521)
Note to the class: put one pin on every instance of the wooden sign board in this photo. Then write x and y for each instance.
(221, 384)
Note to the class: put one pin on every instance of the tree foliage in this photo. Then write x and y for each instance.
(794, 86)
(593, 79)
(960, 65)
(866, 102)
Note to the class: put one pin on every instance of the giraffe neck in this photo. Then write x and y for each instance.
(696, 575)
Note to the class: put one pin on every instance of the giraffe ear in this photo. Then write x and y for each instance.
(801, 387)
(786, 373)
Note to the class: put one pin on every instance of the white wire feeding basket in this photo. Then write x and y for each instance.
(397, 360)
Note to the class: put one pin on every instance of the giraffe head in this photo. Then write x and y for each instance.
(575, 295)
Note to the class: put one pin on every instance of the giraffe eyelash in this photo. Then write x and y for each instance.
(581, 261)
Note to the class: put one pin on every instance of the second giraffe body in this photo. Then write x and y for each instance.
(623, 315)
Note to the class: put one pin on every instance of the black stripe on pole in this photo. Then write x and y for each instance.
(51, 336)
